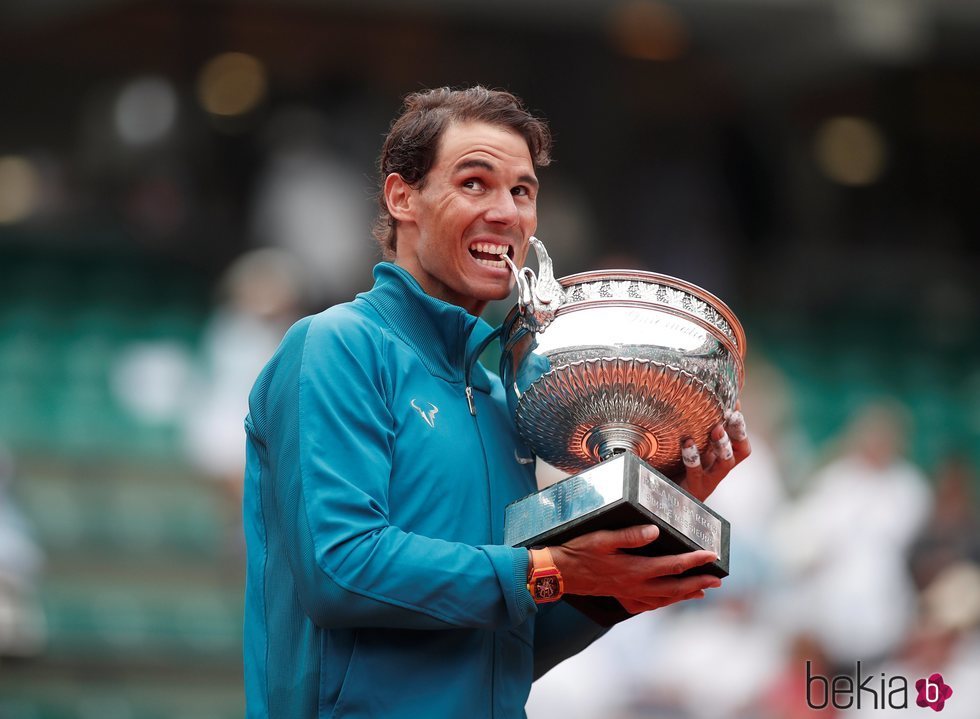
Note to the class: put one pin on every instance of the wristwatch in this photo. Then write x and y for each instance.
(544, 580)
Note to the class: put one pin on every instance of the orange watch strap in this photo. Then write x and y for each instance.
(541, 559)
(545, 582)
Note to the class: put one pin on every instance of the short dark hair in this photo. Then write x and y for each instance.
(410, 146)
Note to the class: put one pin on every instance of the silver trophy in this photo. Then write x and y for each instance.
(607, 372)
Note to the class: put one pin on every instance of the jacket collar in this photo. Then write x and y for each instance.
(442, 334)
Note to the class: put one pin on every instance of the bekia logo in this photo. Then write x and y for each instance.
(873, 691)
(933, 692)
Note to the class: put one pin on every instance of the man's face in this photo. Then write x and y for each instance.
(477, 201)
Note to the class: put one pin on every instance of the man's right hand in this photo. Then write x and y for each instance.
(594, 564)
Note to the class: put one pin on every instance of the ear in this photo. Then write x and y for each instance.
(398, 195)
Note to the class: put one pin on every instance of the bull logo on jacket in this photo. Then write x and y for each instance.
(429, 416)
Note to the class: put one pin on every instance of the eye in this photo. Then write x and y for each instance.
(521, 191)
(473, 183)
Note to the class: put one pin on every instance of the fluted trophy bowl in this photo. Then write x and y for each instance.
(618, 360)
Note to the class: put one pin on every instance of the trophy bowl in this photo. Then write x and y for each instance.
(621, 360)
(606, 374)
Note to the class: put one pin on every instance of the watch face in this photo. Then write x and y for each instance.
(547, 587)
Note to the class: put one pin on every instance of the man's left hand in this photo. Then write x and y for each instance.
(728, 446)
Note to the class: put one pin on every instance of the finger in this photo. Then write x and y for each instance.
(716, 462)
(634, 606)
(699, 594)
(611, 540)
(736, 428)
(671, 587)
(650, 577)
(672, 564)
(674, 600)
(710, 455)
(722, 444)
(693, 470)
(690, 455)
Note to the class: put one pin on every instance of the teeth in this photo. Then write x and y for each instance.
(491, 263)
(490, 248)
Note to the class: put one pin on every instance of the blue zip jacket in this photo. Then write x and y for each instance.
(377, 583)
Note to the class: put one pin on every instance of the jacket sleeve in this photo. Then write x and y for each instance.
(560, 631)
(328, 441)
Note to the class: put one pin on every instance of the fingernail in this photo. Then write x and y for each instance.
(717, 431)
(651, 532)
(715, 583)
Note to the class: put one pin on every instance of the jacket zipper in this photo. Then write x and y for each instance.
(474, 358)
(471, 403)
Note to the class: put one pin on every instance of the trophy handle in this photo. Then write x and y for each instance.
(538, 297)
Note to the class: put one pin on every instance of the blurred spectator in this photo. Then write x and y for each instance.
(945, 640)
(315, 205)
(261, 296)
(754, 495)
(730, 635)
(953, 531)
(786, 697)
(845, 544)
(21, 621)
(770, 407)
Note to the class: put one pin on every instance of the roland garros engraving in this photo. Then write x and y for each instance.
(680, 511)
(648, 291)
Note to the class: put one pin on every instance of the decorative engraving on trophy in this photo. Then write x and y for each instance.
(679, 511)
(673, 329)
(653, 292)
(712, 316)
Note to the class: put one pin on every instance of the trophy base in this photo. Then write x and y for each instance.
(620, 492)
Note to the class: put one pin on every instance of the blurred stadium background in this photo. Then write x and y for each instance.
(179, 180)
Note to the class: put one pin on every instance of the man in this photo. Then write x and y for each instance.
(378, 584)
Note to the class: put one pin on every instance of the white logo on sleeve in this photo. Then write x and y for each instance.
(428, 415)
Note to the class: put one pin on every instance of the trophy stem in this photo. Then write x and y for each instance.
(604, 440)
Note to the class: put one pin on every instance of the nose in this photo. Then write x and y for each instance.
(502, 209)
